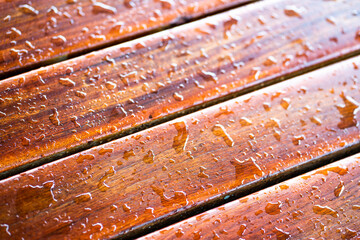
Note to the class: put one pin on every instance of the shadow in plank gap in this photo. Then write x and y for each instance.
(127, 186)
(40, 32)
(324, 203)
(71, 106)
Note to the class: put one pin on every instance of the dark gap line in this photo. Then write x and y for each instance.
(178, 22)
(253, 87)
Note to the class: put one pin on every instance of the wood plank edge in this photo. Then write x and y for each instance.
(175, 23)
(241, 191)
(254, 86)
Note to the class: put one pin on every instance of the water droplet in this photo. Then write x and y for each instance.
(40, 197)
(128, 154)
(297, 139)
(102, 185)
(13, 33)
(331, 20)
(179, 233)
(202, 173)
(84, 197)
(337, 169)
(208, 76)
(105, 150)
(294, 11)
(103, 8)
(67, 82)
(83, 157)
(27, 9)
(228, 25)
(219, 130)
(54, 117)
(167, 4)
(241, 230)
(178, 198)
(180, 140)
(149, 157)
(246, 169)
(58, 40)
(339, 189)
(126, 208)
(25, 141)
(80, 94)
(244, 121)
(324, 210)
(6, 226)
(348, 111)
(270, 61)
(285, 103)
(273, 208)
(281, 234)
(357, 35)
(178, 97)
(316, 120)
(110, 85)
(349, 234)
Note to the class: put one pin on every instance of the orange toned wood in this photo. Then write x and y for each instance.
(324, 203)
(129, 184)
(106, 93)
(39, 31)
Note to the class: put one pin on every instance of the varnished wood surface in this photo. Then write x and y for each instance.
(322, 204)
(129, 183)
(40, 30)
(103, 94)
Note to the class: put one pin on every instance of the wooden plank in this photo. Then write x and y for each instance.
(64, 107)
(322, 204)
(129, 184)
(36, 32)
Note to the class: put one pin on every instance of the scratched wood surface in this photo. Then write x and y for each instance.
(38, 31)
(322, 204)
(104, 94)
(129, 184)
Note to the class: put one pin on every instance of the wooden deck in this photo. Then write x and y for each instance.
(223, 127)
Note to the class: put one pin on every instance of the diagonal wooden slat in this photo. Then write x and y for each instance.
(324, 203)
(128, 185)
(39, 31)
(79, 103)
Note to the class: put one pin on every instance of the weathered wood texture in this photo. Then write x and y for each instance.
(322, 204)
(111, 189)
(62, 106)
(43, 30)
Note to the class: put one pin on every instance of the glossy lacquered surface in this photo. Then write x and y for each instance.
(107, 93)
(41, 31)
(127, 184)
(322, 204)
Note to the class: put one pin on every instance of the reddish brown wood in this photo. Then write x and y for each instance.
(324, 203)
(102, 94)
(40, 30)
(129, 183)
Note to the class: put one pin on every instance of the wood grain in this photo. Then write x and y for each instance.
(129, 184)
(322, 204)
(42, 30)
(79, 103)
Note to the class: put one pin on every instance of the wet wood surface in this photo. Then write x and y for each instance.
(78, 103)
(38, 31)
(322, 204)
(132, 183)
